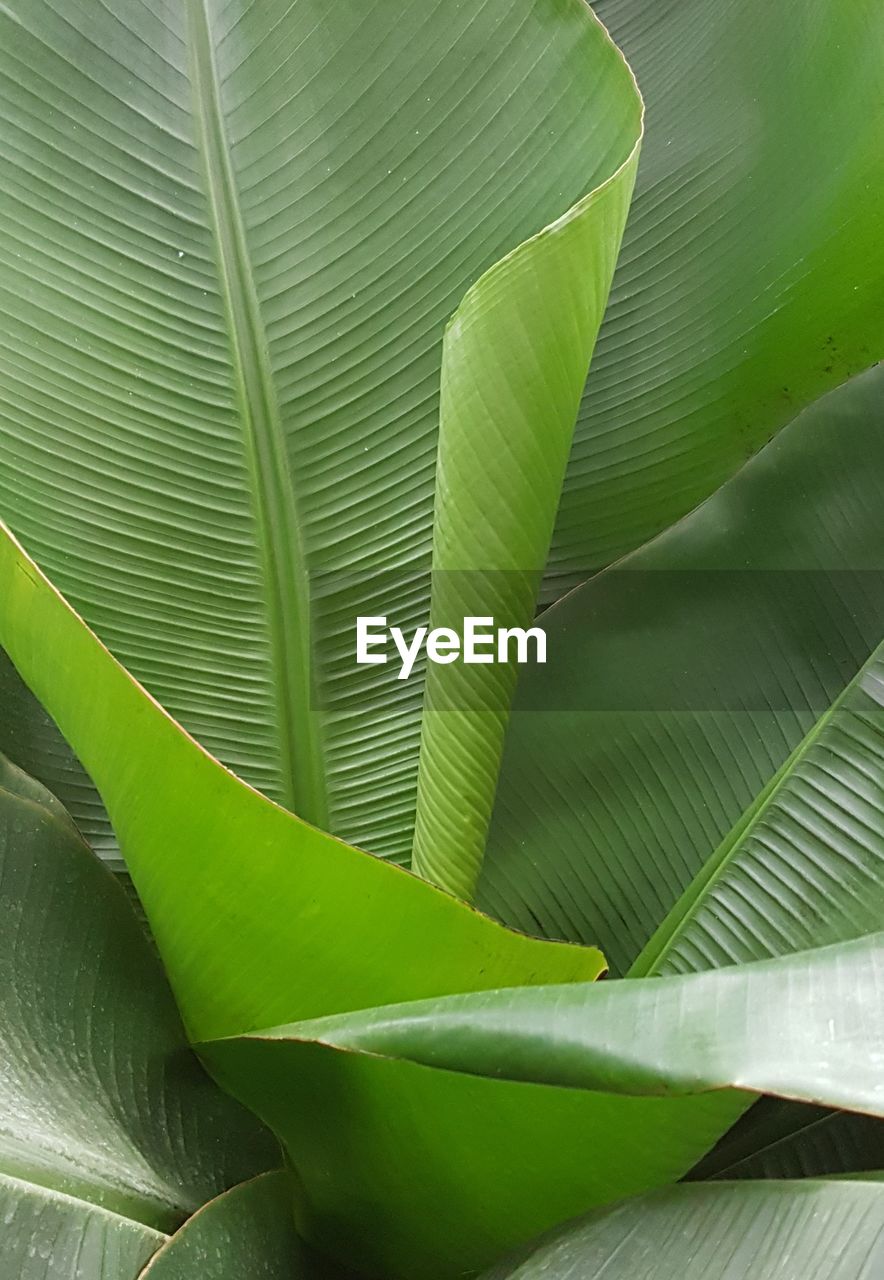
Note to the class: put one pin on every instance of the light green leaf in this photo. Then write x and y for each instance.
(258, 917)
(232, 235)
(45, 1235)
(769, 1231)
(753, 262)
(678, 683)
(415, 1171)
(513, 365)
(246, 1232)
(431, 1134)
(101, 1099)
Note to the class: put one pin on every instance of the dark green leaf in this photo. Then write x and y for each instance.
(100, 1097)
(678, 683)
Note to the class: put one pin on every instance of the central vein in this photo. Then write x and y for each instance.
(286, 583)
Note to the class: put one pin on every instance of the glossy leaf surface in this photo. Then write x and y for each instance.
(769, 1231)
(248, 1231)
(50, 1236)
(111, 1132)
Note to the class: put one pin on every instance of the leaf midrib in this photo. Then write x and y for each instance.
(283, 557)
(669, 932)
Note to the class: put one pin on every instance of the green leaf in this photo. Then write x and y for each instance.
(101, 1099)
(432, 1134)
(233, 235)
(415, 1171)
(259, 917)
(803, 866)
(769, 1231)
(753, 263)
(674, 1036)
(513, 366)
(249, 1231)
(678, 683)
(30, 739)
(45, 1235)
(777, 1139)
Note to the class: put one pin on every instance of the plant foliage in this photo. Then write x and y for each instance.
(298, 304)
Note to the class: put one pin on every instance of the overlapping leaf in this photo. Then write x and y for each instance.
(248, 1231)
(232, 235)
(258, 916)
(785, 1231)
(678, 683)
(111, 1133)
(397, 1118)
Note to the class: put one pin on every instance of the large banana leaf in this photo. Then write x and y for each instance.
(363, 219)
(408, 1124)
(259, 917)
(753, 263)
(231, 237)
(111, 1133)
(519, 343)
(786, 1231)
(679, 682)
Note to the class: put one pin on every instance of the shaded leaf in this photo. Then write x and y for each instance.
(45, 1235)
(677, 684)
(249, 1231)
(753, 262)
(30, 739)
(769, 1231)
(803, 866)
(777, 1139)
(110, 1131)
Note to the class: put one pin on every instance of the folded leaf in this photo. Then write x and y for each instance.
(514, 363)
(433, 1133)
(100, 1097)
(233, 235)
(769, 1231)
(258, 916)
